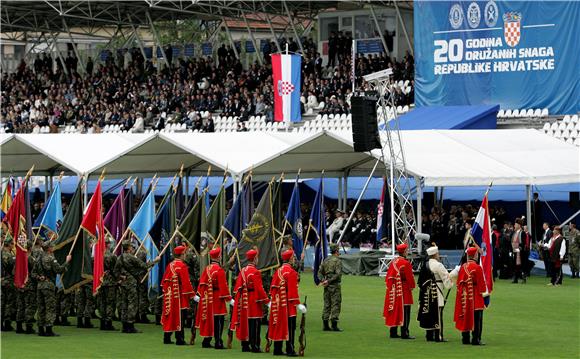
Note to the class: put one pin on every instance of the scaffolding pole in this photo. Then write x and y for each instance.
(74, 46)
(404, 28)
(379, 31)
(156, 37)
(256, 48)
(273, 33)
(293, 27)
(232, 44)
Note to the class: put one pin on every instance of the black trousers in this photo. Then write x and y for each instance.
(291, 336)
(556, 274)
(406, 321)
(218, 328)
(436, 334)
(253, 342)
(477, 329)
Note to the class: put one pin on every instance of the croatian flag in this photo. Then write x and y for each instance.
(286, 71)
(481, 232)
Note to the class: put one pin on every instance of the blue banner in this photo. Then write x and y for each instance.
(519, 54)
(188, 50)
(206, 49)
(148, 53)
(250, 47)
(370, 46)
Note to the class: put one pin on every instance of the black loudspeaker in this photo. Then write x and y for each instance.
(575, 200)
(365, 131)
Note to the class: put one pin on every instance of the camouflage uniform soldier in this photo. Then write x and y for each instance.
(27, 301)
(85, 304)
(129, 271)
(8, 294)
(574, 251)
(142, 293)
(63, 306)
(108, 292)
(45, 271)
(330, 274)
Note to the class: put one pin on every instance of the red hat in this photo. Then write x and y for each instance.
(287, 254)
(179, 250)
(251, 254)
(402, 247)
(471, 251)
(215, 253)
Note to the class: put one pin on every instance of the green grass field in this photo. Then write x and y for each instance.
(530, 320)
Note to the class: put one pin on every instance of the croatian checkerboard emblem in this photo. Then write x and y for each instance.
(512, 28)
(285, 87)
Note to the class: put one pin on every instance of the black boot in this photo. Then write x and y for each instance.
(19, 329)
(131, 328)
(393, 332)
(102, 325)
(335, 327)
(109, 325)
(80, 323)
(7, 326)
(206, 343)
(50, 333)
(157, 319)
(325, 326)
(465, 338)
(88, 323)
(167, 338)
(57, 320)
(41, 332)
(179, 338)
(246, 347)
(29, 329)
(278, 348)
(144, 319)
(64, 321)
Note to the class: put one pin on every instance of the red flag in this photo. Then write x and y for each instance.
(16, 220)
(92, 223)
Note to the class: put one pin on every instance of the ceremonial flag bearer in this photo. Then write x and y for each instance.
(212, 294)
(285, 301)
(469, 303)
(248, 307)
(399, 297)
(177, 291)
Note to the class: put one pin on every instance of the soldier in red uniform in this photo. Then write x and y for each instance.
(212, 294)
(469, 303)
(177, 291)
(248, 308)
(399, 297)
(285, 301)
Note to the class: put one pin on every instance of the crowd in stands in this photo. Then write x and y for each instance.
(127, 90)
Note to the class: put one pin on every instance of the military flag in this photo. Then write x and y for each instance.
(481, 232)
(160, 233)
(293, 219)
(50, 218)
(16, 221)
(72, 240)
(277, 212)
(205, 187)
(216, 216)
(191, 226)
(114, 221)
(129, 205)
(6, 200)
(92, 224)
(317, 224)
(259, 234)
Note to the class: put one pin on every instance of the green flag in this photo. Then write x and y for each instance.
(216, 216)
(278, 213)
(191, 225)
(80, 270)
(259, 234)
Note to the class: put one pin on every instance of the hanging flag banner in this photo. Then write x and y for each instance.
(519, 54)
(286, 73)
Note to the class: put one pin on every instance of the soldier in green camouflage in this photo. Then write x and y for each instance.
(44, 272)
(27, 296)
(573, 237)
(142, 292)
(330, 274)
(8, 293)
(84, 304)
(129, 272)
(108, 290)
(63, 306)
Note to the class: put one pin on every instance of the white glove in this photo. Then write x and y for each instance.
(232, 302)
(486, 294)
(301, 308)
(517, 250)
(196, 298)
(455, 272)
(269, 305)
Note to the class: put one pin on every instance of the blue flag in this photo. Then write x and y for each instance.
(144, 218)
(159, 235)
(233, 224)
(317, 224)
(206, 199)
(50, 218)
(294, 220)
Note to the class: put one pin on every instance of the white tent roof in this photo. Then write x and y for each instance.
(440, 157)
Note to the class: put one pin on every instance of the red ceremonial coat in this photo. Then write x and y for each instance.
(214, 294)
(285, 298)
(250, 297)
(470, 290)
(177, 291)
(400, 283)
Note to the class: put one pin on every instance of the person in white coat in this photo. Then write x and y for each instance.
(444, 282)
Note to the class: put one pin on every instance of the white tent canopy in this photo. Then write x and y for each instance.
(439, 157)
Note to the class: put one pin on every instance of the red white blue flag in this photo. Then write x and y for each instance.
(481, 232)
(286, 70)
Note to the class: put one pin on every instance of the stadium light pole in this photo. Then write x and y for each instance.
(404, 28)
(379, 31)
